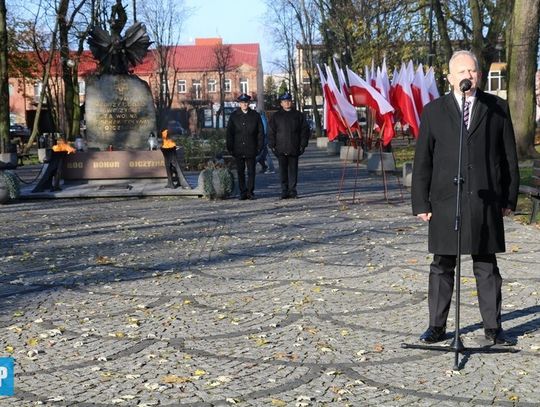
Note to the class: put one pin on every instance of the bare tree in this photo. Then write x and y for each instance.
(305, 12)
(522, 52)
(284, 27)
(164, 21)
(222, 64)
(66, 20)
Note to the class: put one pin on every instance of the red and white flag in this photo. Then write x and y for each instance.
(342, 105)
(420, 90)
(343, 87)
(403, 100)
(431, 84)
(338, 117)
(363, 94)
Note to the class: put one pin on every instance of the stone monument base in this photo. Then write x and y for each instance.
(93, 165)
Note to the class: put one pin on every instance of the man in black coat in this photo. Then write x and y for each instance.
(288, 136)
(490, 187)
(244, 141)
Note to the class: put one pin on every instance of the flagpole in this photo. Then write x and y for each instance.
(385, 184)
(349, 133)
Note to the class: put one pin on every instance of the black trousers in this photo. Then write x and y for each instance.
(288, 173)
(241, 164)
(488, 286)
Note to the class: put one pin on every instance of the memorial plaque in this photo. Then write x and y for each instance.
(120, 112)
(116, 165)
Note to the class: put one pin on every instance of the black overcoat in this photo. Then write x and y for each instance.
(288, 132)
(489, 169)
(244, 133)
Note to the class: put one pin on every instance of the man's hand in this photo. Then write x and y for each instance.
(424, 216)
(506, 211)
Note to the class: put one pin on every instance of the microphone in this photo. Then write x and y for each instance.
(465, 85)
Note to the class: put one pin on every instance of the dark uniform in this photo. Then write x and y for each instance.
(491, 178)
(244, 141)
(288, 136)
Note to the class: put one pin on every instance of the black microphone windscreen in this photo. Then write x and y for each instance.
(465, 85)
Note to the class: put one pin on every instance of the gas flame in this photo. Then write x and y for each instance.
(167, 142)
(61, 145)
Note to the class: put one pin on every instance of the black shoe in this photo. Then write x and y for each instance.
(497, 337)
(433, 334)
(284, 196)
(251, 197)
(243, 197)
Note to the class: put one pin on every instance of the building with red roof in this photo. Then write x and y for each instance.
(192, 78)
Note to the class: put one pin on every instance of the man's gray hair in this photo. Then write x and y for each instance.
(464, 52)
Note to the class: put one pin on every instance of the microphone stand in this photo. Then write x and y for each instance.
(457, 345)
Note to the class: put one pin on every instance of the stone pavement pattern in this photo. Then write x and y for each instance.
(188, 302)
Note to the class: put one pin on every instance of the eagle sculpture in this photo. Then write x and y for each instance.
(116, 54)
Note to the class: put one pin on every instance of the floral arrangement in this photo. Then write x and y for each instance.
(12, 183)
(217, 181)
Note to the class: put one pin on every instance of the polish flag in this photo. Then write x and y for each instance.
(404, 101)
(363, 94)
(343, 87)
(431, 84)
(335, 122)
(420, 90)
(342, 105)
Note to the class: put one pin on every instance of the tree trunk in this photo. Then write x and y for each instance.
(4, 80)
(522, 52)
(443, 30)
(45, 80)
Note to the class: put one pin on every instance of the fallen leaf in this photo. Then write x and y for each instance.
(170, 379)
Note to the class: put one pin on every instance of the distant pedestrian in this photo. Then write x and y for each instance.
(288, 136)
(244, 141)
(264, 158)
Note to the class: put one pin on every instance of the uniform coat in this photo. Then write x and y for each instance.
(244, 134)
(489, 169)
(288, 132)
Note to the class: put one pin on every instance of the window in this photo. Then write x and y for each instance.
(228, 85)
(196, 86)
(306, 85)
(496, 81)
(82, 88)
(10, 89)
(181, 86)
(212, 86)
(38, 88)
(244, 88)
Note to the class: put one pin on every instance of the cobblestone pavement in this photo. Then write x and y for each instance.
(189, 302)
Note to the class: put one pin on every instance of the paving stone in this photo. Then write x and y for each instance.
(173, 301)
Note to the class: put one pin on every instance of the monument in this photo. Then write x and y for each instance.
(119, 106)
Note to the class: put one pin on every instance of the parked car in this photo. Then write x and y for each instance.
(175, 128)
(20, 131)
